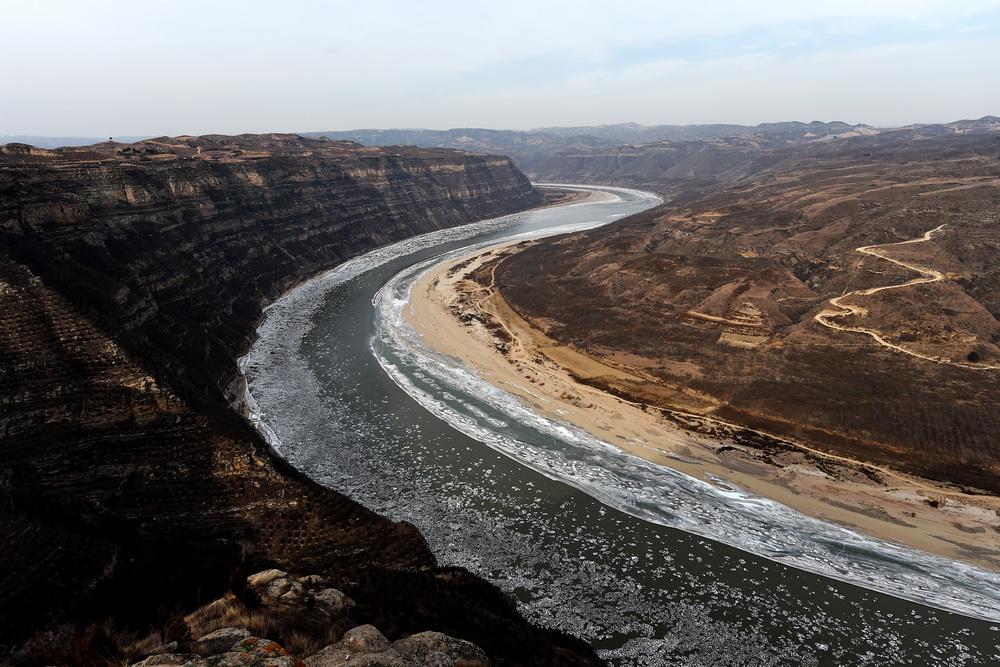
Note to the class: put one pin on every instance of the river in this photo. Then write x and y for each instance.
(651, 567)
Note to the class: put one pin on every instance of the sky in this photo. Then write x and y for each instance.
(91, 68)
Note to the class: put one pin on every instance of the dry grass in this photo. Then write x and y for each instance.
(92, 646)
(301, 631)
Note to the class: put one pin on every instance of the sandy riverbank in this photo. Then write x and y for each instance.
(562, 195)
(469, 320)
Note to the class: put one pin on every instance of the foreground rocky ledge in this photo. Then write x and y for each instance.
(270, 619)
(306, 620)
(131, 278)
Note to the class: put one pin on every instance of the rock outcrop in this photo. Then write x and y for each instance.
(281, 620)
(173, 245)
(365, 645)
(131, 277)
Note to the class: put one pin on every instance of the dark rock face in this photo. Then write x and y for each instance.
(130, 279)
(176, 253)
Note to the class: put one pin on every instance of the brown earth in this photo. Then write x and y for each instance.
(717, 296)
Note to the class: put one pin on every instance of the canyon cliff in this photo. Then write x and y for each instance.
(131, 277)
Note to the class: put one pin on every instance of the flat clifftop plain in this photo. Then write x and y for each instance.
(131, 277)
(723, 300)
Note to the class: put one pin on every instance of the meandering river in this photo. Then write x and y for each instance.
(636, 559)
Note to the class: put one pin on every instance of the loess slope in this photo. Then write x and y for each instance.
(718, 296)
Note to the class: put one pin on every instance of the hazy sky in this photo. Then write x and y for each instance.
(83, 67)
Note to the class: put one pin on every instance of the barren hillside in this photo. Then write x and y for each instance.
(722, 299)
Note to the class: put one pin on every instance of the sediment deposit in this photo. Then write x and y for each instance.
(458, 311)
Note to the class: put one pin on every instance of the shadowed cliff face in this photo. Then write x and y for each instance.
(130, 279)
(175, 244)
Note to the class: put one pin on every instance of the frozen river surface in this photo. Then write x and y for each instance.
(638, 560)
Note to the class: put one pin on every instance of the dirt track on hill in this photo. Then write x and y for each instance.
(927, 275)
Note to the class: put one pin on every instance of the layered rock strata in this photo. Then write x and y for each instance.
(131, 277)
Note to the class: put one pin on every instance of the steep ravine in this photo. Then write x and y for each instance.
(130, 279)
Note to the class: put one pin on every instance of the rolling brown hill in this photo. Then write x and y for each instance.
(689, 161)
(717, 297)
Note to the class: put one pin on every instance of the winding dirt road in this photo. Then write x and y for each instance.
(927, 275)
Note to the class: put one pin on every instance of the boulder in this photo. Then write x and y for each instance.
(262, 579)
(167, 660)
(364, 639)
(360, 646)
(276, 584)
(332, 601)
(267, 649)
(435, 649)
(219, 641)
(365, 646)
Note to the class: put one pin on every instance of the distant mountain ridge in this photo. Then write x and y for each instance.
(532, 149)
(527, 143)
(528, 147)
(60, 142)
(636, 133)
(525, 147)
(598, 135)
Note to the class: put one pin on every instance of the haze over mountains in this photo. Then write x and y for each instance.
(59, 142)
(585, 135)
(521, 144)
(526, 146)
(665, 158)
